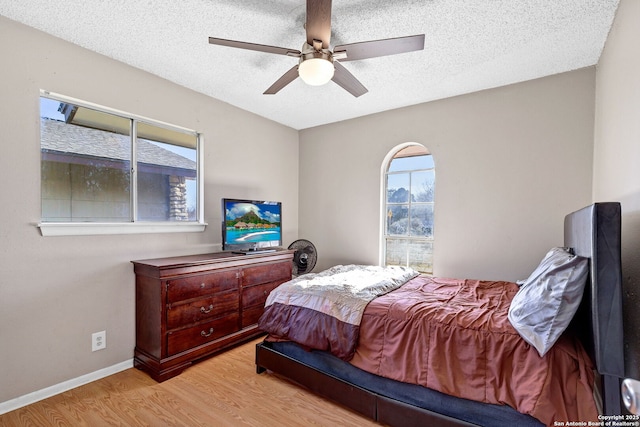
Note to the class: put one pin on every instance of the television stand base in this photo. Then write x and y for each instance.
(254, 251)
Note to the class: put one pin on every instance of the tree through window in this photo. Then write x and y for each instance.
(409, 206)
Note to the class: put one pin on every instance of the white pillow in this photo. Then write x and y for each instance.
(547, 301)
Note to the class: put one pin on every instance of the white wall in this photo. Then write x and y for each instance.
(56, 291)
(617, 156)
(510, 163)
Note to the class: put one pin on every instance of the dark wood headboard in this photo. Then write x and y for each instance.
(595, 232)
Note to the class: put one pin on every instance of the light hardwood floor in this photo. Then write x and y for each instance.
(223, 390)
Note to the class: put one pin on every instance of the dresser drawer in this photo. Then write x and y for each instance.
(207, 308)
(251, 315)
(201, 285)
(253, 299)
(267, 273)
(257, 295)
(202, 333)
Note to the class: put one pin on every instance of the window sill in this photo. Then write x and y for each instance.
(93, 228)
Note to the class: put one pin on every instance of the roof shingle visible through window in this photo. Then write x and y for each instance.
(57, 136)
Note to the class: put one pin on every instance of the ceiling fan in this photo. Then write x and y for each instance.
(317, 63)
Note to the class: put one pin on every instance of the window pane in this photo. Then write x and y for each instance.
(398, 220)
(398, 188)
(396, 252)
(414, 253)
(421, 255)
(411, 163)
(422, 220)
(422, 186)
(167, 175)
(85, 169)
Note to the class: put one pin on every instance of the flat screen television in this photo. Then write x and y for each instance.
(251, 225)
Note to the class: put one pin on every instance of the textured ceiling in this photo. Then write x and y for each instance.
(470, 45)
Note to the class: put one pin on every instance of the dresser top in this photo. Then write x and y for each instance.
(212, 258)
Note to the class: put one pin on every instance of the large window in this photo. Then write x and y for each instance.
(408, 208)
(101, 166)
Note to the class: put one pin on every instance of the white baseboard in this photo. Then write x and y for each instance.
(27, 399)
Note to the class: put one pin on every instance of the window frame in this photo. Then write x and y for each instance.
(133, 226)
(384, 205)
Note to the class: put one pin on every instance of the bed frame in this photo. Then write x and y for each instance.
(593, 232)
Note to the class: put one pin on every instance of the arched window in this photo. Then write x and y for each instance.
(409, 186)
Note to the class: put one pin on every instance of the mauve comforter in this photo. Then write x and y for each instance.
(323, 310)
(454, 336)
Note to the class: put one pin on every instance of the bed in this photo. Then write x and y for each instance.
(591, 344)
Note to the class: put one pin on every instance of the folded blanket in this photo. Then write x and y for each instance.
(323, 311)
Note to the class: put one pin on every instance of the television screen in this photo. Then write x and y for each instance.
(250, 225)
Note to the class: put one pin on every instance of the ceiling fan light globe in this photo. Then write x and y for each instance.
(316, 71)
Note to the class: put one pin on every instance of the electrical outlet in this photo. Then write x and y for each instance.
(99, 341)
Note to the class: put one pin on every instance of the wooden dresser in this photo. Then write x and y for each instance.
(189, 307)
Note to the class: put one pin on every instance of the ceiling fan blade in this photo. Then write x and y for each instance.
(318, 23)
(255, 46)
(347, 81)
(376, 48)
(286, 78)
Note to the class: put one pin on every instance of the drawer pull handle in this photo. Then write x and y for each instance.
(205, 334)
(206, 310)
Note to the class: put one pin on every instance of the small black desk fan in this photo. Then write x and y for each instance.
(304, 258)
